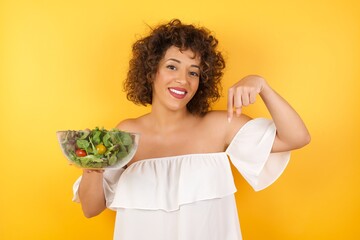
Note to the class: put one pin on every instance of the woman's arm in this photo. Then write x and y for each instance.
(291, 130)
(91, 193)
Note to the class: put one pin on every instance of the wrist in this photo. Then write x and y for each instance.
(264, 86)
(93, 171)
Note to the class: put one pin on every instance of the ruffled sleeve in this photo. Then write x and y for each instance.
(110, 181)
(250, 153)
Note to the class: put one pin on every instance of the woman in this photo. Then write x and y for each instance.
(179, 184)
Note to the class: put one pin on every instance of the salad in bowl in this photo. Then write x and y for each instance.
(98, 148)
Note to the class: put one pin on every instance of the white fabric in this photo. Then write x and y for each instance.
(250, 149)
(214, 219)
(191, 197)
(167, 183)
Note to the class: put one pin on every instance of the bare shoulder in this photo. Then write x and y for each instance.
(218, 120)
(127, 124)
(131, 124)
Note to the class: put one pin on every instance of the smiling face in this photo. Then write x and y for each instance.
(177, 79)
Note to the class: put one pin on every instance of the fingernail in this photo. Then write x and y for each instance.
(229, 119)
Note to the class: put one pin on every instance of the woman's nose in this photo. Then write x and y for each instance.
(181, 77)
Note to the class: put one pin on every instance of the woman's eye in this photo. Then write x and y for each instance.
(194, 74)
(171, 67)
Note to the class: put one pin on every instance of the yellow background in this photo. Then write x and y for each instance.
(62, 66)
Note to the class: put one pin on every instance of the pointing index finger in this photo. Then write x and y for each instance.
(230, 104)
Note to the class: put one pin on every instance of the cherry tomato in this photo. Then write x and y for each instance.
(80, 153)
(100, 148)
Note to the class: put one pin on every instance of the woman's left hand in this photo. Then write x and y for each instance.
(244, 93)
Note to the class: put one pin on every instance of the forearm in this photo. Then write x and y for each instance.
(291, 130)
(91, 193)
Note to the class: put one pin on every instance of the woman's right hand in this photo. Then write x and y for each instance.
(93, 171)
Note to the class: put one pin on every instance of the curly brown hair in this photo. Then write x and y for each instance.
(148, 51)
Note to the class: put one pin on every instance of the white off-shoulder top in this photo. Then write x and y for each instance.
(191, 197)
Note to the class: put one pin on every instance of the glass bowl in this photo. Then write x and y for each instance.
(98, 148)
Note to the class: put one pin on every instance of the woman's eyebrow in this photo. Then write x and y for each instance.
(178, 61)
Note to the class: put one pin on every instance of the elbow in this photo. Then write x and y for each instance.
(90, 213)
(303, 140)
(306, 138)
(295, 142)
(92, 207)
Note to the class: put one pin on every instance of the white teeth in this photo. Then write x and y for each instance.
(177, 91)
